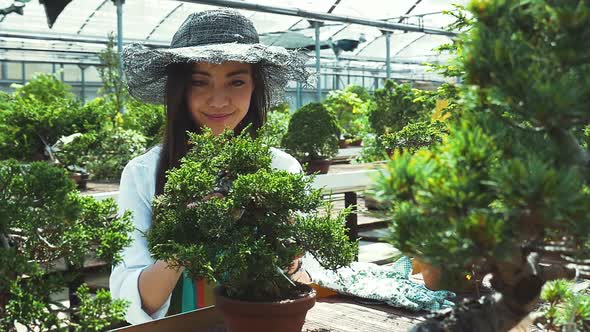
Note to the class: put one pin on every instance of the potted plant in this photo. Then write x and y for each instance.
(511, 174)
(45, 221)
(228, 217)
(312, 137)
(349, 108)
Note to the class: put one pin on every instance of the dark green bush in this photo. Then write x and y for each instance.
(415, 136)
(394, 108)
(103, 154)
(43, 219)
(313, 133)
(147, 119)
(242, 241)
(349, 109)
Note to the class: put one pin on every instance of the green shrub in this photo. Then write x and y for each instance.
(360, 92)
(348, 108)
(415, 136)
(46, 88)
(95, 115)
(42, 220)
(148, 119)
(103, 154)
(264, 220)
(394, 108)
(28, 124)
(277, 123)
(313, 133)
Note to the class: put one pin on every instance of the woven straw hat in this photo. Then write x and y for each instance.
(212, 36)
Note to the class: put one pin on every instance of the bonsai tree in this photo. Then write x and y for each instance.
(394, 108)
(313, 134)
(511, 175)
(349, 109)
(43, 220)
(246, 237)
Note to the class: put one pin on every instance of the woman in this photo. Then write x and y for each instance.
(216, 74)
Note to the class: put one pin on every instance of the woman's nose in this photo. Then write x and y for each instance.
(219, 98)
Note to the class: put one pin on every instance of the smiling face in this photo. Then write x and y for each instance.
(219, 95)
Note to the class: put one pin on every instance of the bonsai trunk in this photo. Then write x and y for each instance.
(518, 286)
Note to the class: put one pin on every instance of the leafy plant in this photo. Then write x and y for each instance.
(394, 108)
(277, 123)
(510, 174)
(564, 309)
(103, 154)
(313, 133)
(43, 220)
(264, 219)
(348, 108)
(28, 124)
(415, 136)
(147, 119)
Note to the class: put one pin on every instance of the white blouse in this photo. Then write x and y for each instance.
(136, 192)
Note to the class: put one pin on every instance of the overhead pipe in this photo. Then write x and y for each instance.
(319, 16)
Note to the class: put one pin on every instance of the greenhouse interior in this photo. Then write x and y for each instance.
(311, 165)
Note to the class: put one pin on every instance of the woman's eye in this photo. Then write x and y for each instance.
(199, 83)
(238, 83)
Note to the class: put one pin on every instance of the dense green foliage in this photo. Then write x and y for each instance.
(263, 221)
(510, 174)
(350, 110)
(563, 308)
(277, 123)
(114, 88)
(43, 220)
(103, 153)
(39, 113)
(146, 119)
(415, 135)
(394, 108)
(313, 133)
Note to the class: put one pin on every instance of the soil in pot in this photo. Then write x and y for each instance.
(321, 166)
(282, 316)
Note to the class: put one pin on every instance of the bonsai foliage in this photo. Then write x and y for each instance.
(276, 125)
(44, 220)
(313, 133)
(563, 308)
(394, 108)
(243, 238)
(349, 109)
(511, 174)
(146, 119)
(38, 113)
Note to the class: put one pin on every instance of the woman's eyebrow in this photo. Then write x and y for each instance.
(238, 72)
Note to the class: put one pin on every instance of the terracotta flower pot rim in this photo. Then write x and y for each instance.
(270, 307)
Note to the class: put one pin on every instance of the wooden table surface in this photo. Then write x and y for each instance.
(335, 313)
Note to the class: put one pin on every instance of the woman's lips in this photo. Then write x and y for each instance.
(218, 117)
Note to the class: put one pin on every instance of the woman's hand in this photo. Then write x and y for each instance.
(297, 273)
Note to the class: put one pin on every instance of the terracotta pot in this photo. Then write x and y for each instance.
(356, 142)
(321, 166)
(283, 316)
(81, 179)
(342, 144)
(432, 278)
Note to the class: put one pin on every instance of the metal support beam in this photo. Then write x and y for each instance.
(316, 25)
(23, 72)
(120, 35)
(298, 96)
(383, 25)
(83, 81)
(4, 73)
(388, 53)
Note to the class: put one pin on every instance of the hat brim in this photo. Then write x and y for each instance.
(145, 68)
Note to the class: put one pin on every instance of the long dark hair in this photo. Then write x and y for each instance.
(179, 120)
